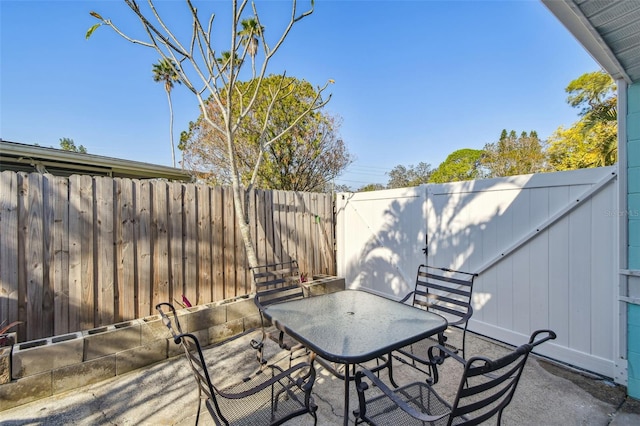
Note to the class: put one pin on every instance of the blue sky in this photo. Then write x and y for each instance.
(414, 81)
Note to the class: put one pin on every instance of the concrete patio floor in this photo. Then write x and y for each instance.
(165, 393)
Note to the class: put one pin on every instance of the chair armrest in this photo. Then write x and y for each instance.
(362, 386)
(551, 335)
(438, 359)
(404, 299)
(464, 318)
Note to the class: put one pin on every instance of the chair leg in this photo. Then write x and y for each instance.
(259, 346)
(274, 403)
(464, 340)
(199, 405)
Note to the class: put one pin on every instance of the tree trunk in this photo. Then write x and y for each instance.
(240, 208)
(173, 149)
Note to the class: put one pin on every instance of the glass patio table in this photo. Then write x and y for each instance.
(352, 326)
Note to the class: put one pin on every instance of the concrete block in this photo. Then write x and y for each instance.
(241, 308)
(252, 322)
(25, 390)
(334, 285)
(323, 284)
(203, 317)
(222, 332)
(38, 356)
(141, 356)
(176, 349)
(5, 365)
(105, 341)
(78, 375)
(152, 328)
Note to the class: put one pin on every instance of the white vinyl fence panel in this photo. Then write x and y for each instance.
(384, 232)
(544, 246)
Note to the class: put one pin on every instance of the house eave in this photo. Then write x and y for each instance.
(575, 21)
(25, 155)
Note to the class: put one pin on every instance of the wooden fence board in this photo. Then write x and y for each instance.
(34, 256)
(253, 222)
(161, 244)
(327, 236)
(229, 242)
(301, 252)
(23, 213)
(75, 253)
(190, 258)
(125, 253)
(253, 228)
(261, 237)
(144, 254)
(241, 284)
(48, 264)
(84, 252)
(87, 226)
(291, 227)
(278, 219)
(176, 239)
(8, 246)
(217, 243)
(105, 241)
(268, 226)
(204, 244)
(60, 270)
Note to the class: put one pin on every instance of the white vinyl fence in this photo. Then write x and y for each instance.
(544, 246)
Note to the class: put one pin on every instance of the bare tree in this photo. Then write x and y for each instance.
(197, 66)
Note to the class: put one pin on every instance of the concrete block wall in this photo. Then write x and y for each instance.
(45, 367)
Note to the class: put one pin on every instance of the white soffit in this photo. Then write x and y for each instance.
(608, 30)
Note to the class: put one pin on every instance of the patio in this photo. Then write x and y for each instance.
(165, 393)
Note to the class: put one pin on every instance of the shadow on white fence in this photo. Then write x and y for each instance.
(544, 245)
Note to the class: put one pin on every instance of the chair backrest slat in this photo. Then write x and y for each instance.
(490, 384)
(277, 282)
(444, 290)
(282, 296)
(437, 300)
(433, 307)
(487, 387)
(452, 280)
(435, 287)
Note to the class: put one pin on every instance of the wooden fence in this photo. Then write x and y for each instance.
(84, 251)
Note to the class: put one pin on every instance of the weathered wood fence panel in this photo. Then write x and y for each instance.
(83, 252)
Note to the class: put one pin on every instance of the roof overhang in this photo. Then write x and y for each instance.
(23, 157)
(572, 17)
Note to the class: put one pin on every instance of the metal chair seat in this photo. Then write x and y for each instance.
(267, 398)
(418, 396)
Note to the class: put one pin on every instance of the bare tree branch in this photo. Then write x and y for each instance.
(210, 81)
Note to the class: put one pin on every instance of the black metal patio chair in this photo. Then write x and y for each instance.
(486, 387)
(275, 283)
(446, 292)
(262, 399)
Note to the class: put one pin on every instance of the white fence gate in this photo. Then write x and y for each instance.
(544, 245)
